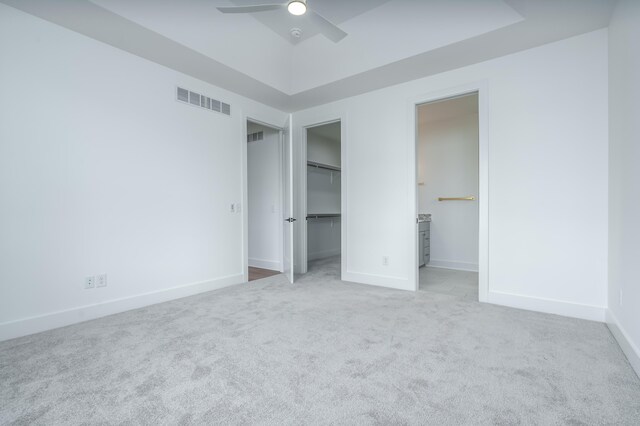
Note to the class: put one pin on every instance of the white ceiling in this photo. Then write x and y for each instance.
(236, 40)
(281, 22)
(378, 36)
(389, 41)
(397, 30)
(448, 109)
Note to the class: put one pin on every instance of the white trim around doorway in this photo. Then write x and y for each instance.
(302, 188)
(482, 88)
(245, 200)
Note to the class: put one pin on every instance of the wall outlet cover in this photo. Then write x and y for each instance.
(90, 282)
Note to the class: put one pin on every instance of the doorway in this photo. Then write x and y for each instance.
(264, 200)
(323, 195)
(449, 195)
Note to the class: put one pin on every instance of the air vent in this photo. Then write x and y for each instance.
(196, 99)
(253, 137)
(183, 95)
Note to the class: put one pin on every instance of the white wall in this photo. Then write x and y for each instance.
(624, 178)
(103, 171)
(323, 190)
(547, 176)
(448, 167)
(323, 150)
(323, 238)
(264, 201)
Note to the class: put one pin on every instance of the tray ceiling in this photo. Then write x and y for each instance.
(389, 41)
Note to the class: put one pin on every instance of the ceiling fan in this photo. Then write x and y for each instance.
(295, 7)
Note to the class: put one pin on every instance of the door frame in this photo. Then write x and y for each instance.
(482, 89)
(245, 194)
(302, 188)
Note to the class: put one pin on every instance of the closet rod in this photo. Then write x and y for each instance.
(323, 215)
(323, 166)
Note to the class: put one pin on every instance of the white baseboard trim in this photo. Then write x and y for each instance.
(630, 349)
(266, 264)
(378, 280)
(323, 254)
(37, 324)
(549, 306)
(448, 264)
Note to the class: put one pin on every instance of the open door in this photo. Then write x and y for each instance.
(288, 199)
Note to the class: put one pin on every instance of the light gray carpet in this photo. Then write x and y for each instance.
(461, 284)
(320, 352)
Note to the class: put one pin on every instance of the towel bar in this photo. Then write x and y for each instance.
(457, 199)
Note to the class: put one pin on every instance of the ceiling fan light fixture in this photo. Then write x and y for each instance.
(297, 7)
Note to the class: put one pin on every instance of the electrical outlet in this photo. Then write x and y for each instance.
(101, 280)
(89, 282)
(232, 208)
(385, 260)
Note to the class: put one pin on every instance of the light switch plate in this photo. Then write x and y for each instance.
(101, 280)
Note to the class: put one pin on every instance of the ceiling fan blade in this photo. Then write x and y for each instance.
(251, 9)
(331, 31)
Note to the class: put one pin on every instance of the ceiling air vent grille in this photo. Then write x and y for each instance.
(202, 101)
(257, 136)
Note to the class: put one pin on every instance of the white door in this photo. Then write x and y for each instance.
(288, 200)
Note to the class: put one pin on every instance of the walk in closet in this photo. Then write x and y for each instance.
(323, 192)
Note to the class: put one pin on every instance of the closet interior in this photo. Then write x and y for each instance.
(323, 192)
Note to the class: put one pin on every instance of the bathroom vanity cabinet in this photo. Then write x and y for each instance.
(424, 250)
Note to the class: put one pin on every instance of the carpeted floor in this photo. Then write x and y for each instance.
(462, 284)
(320, 352)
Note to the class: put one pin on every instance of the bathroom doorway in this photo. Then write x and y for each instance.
(448, 194)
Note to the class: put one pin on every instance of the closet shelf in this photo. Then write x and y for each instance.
(323, 166)
(322, 215)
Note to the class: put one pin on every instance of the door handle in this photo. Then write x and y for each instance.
(290, 219)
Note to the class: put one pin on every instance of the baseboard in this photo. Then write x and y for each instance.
(37, 324)
(630, 349)
(447, 264)
(549, 306)
(265, 264)
(378, 280)
(323, 254)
